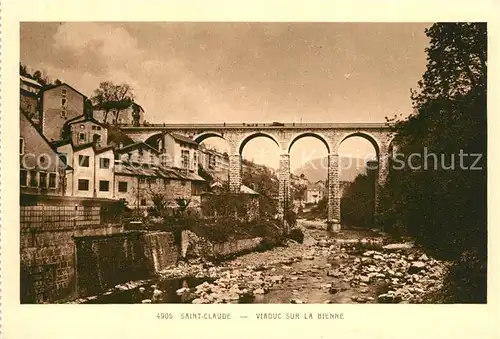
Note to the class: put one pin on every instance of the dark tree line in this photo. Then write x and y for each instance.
(357, 202)
(443, 204)
(40, 76)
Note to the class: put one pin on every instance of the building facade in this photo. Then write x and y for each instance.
(179, 151)
(133, 114)
(84, 130)
(59, 104)
(41, 171)
(314, 193)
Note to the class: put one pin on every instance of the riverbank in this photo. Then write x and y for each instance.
(353, 266)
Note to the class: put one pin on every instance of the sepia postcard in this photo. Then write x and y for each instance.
(318, 164)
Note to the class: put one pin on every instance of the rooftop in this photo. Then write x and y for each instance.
(183, 138)
(30, 81)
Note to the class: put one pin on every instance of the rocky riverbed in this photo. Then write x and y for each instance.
(346, 267)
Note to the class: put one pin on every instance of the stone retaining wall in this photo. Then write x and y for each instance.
(235, 246)
(193, 246)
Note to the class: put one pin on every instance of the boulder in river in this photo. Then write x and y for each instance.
(395, 247)
(388, 298)
(416, 267)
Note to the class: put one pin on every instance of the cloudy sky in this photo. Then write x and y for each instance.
(242, 72)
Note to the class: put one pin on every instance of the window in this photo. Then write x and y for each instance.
(63, 113)
(143, 202)
(98, 128)
(82, 126)
(63, 102)
(93, 127)
(23, 178)
(84, 160)
(103, 185)
(81, 137)
(96, 138)
(21, 146)
(52, 180)
(43, 159)
(104, 163)
(166, 182)
(63, 91)
(83, 184)
(64, 158)
(122, 186)
(43, 179)
(33, 179)
(185, 158)
(117, 156)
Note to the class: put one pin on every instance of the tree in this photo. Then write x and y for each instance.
(158, 198)
(41, 77)
(112, 98)
(23, 70)
(444, 208)
(299, 192)
(358, 201)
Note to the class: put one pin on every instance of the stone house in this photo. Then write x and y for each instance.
(59, 104)
(178, 151)
(83, 130)
(138, 152)
(246, 202)
(314, 193)
(137, 183)
(41, 171)
(214, 162)
(133, 114)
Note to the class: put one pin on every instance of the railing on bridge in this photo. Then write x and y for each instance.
(253, 125)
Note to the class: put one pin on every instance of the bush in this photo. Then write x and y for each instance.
(465, 282)
(297, 235)
(291, 218)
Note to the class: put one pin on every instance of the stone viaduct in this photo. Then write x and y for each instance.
(284, 135)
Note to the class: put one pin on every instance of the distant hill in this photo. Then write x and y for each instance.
(317, 169)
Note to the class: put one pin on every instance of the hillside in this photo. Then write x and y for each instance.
(317, 169)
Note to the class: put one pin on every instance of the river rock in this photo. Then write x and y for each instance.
(296, 301)
(364, 279)
(259, 291)
(388, 298)
(394, 247)
(276, 278)
(416, 266)
(179, 291)
(146, 301)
